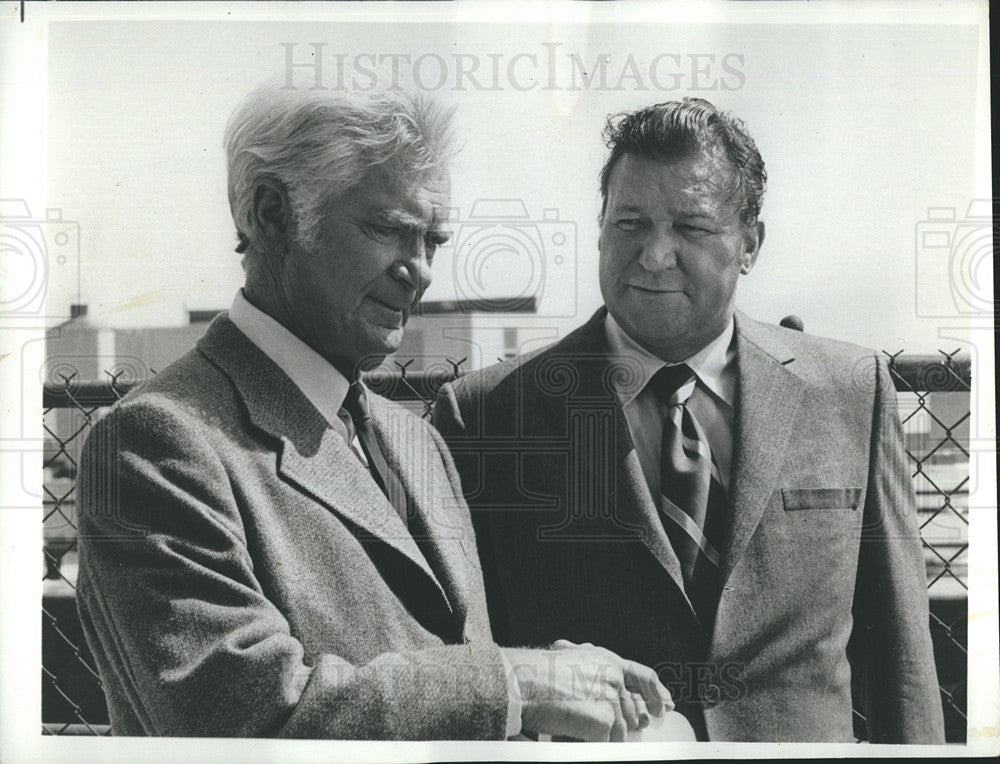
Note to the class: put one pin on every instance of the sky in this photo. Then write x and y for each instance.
(863, 128)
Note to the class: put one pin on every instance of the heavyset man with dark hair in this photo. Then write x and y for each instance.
(723, 500)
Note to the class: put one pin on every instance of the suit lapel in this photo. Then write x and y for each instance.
(437, 525)
(312, 456)
(768, 398)
(634, 508)
(639, 508)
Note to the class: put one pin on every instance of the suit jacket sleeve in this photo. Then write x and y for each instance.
(169, 598)
(899, 682)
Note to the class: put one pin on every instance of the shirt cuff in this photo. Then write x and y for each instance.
(513, 698)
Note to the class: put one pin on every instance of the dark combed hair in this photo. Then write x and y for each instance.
(678, 129)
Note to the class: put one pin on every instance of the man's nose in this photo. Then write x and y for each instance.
(414, 270)
(659, 251)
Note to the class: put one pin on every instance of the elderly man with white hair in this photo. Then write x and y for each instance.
(269, 549)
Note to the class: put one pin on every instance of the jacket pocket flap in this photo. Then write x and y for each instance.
(820, 498)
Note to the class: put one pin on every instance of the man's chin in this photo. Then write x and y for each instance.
(656, 339)
(381, 344)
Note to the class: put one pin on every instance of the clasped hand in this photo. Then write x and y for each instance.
(585, 692)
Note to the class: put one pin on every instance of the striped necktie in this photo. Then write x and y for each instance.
(692, 499)
(356, 406)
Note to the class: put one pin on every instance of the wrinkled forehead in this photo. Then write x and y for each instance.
(425, 193)
(703, 180)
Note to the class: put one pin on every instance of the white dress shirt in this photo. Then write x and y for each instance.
(326, 388)
(321, 383)
(712, 403)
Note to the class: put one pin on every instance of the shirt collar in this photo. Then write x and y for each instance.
(317, 378)
(714, 365)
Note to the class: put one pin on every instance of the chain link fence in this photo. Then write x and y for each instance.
(934, 399)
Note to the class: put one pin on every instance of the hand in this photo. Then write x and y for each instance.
(585, 692)
(671, 727)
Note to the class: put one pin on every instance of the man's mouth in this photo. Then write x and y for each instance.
(388, 315)
(656, 290)
(389, 306)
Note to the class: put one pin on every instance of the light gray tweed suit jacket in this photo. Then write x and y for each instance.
(241, 574)
(822, 568)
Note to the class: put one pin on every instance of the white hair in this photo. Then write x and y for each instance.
(319, 144)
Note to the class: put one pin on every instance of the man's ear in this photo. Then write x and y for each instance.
(753, 242)
(272, 213)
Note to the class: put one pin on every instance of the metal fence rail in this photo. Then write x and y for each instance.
(934, 398)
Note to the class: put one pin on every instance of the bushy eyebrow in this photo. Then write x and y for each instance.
(626, 208)
(631, 208)
(402, 219)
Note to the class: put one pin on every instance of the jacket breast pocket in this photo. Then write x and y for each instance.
(796, 499)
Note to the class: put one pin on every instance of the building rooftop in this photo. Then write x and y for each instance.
(484, 305)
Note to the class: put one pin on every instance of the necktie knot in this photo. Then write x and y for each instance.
(669, 379)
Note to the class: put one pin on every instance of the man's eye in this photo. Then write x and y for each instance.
(378, 230)
(693, 229)
(383, 231)
(629, 224)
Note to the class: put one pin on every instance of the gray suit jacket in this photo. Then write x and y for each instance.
(823, 571)
(241, 574)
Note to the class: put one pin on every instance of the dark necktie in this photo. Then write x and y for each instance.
(692, 499)
(356, 406)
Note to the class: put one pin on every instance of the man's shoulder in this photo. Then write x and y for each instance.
(490, 377)
(514, 373)
(803, 345)
(191, 391)
(822, 361)
(505, 378)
